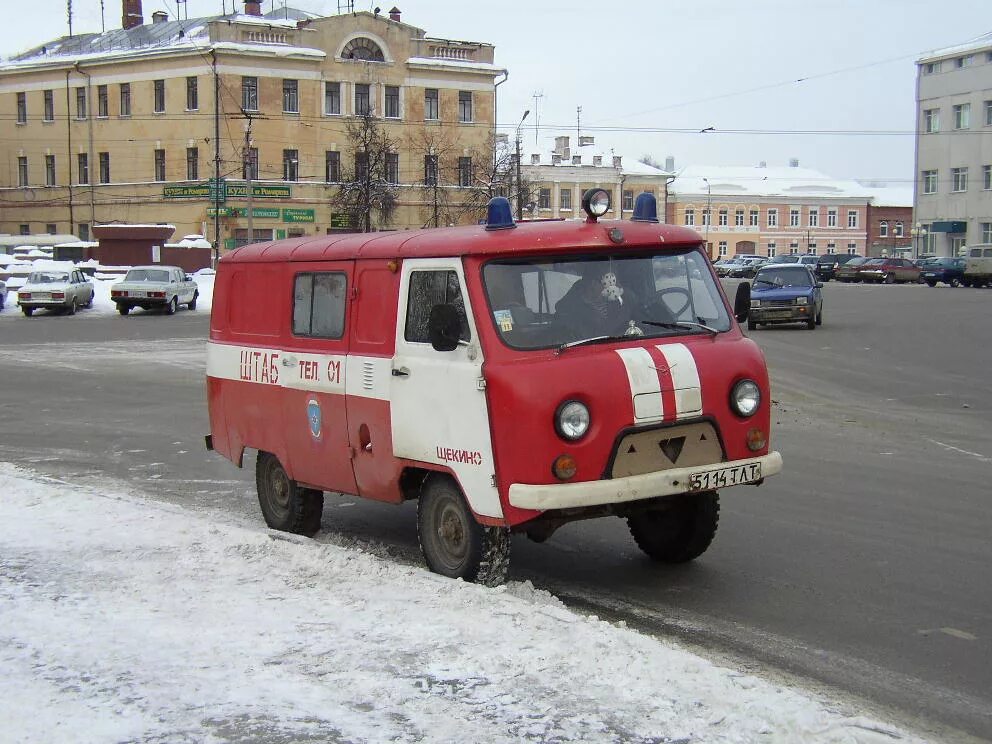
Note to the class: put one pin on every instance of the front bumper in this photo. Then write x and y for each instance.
(782, 314)
(632, 488)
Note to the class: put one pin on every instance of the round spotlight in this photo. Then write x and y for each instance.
(596, 202)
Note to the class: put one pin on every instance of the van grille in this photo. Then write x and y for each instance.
(669, 447)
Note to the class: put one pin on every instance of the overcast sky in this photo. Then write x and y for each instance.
(775, 66)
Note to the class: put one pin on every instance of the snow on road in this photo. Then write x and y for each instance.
(123, 619)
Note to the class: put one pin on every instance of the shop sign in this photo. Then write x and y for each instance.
(341, 221)
(298, 215)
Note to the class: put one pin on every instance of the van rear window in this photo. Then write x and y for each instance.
(318, 304)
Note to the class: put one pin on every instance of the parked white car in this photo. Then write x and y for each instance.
(3, 293)
(55, 289)
(149, 287)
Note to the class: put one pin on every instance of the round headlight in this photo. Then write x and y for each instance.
(596, 202)
(745, 398)
(801, 300)
(572, 420)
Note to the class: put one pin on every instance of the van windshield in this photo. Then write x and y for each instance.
(540, 303)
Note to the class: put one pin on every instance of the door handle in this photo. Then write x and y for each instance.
(401, 372)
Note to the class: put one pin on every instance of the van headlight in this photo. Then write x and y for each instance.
(801, 300)
(572, 420)
(745, 398)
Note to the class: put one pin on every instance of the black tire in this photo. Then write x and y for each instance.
(73, 306)
(27, 311)
(681, 532)
(453, 543)
(89, 303)
(955, 282)
(819, 316)
(173, 305)
(192, 303)
(932, 283)
(123, 309)
(811, 323)
(889, 279)
(286, 506)
(751, 325)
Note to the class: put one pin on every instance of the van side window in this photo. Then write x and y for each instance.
(318, 304)
(427, 289)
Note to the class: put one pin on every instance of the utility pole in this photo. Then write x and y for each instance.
(213, 54)
(520, 193)
(249, 174)
(68, 7)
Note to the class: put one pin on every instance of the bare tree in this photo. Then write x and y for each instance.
(650, 160)
(371, 184)
(494, 173)
(439, 190)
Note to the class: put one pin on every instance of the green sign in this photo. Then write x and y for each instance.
(220, 192)
(341, 221)
(217, 190)
(196, 191)
(280, 234)
(230, 244)
(258, 191)
(298, 215)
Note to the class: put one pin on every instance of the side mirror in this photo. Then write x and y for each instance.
(444, 327)
(189, 277)
(742, 302)
(819, 284)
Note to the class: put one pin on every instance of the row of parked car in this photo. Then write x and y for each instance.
(66, 291)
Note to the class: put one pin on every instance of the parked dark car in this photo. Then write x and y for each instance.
(947, 270)
(850, 271)
(785, 293)
(745, 267)
(826, 266)
(889, 271)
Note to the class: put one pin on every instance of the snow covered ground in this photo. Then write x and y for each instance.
(125, 619)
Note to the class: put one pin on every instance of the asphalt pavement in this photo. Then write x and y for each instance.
(862, 568)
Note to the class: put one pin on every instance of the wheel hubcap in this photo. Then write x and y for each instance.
(451, 534)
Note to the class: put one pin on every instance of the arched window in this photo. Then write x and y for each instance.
(898, 230)
(364, 49)
(883, 229)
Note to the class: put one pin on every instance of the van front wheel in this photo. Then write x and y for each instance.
(453, 542)
(286, 506)
(679, 533)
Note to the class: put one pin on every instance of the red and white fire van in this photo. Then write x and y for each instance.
(512, 377)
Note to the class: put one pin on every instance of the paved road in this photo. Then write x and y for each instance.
(864, 566)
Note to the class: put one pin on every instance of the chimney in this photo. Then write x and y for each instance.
(253, 7)
(616, 161)
(561, 144)
(670, 163)
(394, 13)
(160, 16)
(132, 14)
(794, 162)
(586, 139)
(763, 164)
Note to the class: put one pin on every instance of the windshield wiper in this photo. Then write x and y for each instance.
(590, 340)
(681, 324)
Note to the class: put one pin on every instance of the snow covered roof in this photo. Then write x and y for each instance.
(977, 44)
(891, 196)
(586, 154)
(757, 181)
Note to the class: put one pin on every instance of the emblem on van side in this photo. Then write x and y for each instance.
(313, 417)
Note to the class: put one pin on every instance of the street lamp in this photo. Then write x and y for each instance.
(709, 215)
(520, 196)
(919, 232)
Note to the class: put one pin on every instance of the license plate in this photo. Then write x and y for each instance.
(709, 480)
(41, 296)
(929, 274)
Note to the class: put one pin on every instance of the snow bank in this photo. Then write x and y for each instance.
(124, 620)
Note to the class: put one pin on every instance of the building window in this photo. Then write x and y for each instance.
(192, 163)
(80, 103)
(125, 99)
(722, 217)
(332, 99)
(430, 170)
(883, 229)
(897, 230)
(929, 182)
(102, 102)
(986, 232)
(931, 68)
(723, 247)
(51, 228)
(627, 199)
(291, 96)
(392, 167)
(22, 108)
(931, 121)
(363, 99)
(831, 217)
(706, 216)
(332, 166)
(814, 217)
(738, 218)
(159, 87)
(49, 114)
(465, 171)
(852, 248)
(361, 166)
(84, 231)
(49, 170)
(811, 249)
(104, 167)
(249, 170)
(959, 179)
(690, 217)
(544, 198)
(160, 165)
(988, 113)
(771, 249)
(987, 177)
(464, 105)
(772, 218)
(431, 104)
(793, 218)
(392, 102)
(965, 61)
(565, 199)
(793, 247)
(192, 94)
(83, 168)
(962, 116)
(290, 165)
(753, 218)
(22, 171)
(852, 218)
(25, 229)
(831, 248)
(249, 93)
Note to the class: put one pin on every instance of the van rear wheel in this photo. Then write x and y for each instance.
(679, 533)
(453, 542)
(286, 506)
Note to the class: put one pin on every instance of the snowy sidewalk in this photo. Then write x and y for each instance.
(131, 620)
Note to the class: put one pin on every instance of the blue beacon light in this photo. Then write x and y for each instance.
(645, 208)
(499, 216)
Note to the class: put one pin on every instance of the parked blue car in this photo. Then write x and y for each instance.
(785, 293)
(947, 270)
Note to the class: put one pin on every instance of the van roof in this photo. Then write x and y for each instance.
(525, 238)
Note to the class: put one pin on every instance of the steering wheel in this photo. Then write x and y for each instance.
(659, 301)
